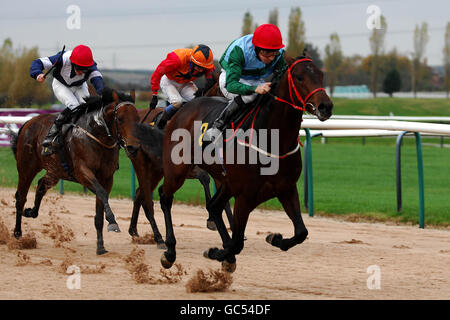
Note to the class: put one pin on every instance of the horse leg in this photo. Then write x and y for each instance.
(153, 177)
(137, 202)
(229, 214)
(98, 222)
(150, 214)
(26, 176)
(169, 256)
(291, 205)
(242, 209)
(204, 179)
(149, 174)
(100, 209)
(172, 182)
(227, 209)
(45, 183)
(87, 178)
(215, 209)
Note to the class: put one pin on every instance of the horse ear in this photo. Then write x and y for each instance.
(133, 95)
(115, 96)
(306, 53)
(289, 60)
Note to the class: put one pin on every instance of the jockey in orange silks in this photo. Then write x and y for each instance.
(175, 77)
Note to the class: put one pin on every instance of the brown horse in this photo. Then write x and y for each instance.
(297, 89)
(90, 155)
(149, 172)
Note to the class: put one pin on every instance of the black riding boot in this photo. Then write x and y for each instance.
(162, 121)
(224, 118)
(168, 113)
(50, 143)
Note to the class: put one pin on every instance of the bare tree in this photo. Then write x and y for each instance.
(421, 38)
(248, 26)
(447, 59)
(333, 61)
(296, 33)
(7, 60)
(376, 46)
(273, 16)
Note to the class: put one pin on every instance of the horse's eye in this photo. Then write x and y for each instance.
(300, 78)
(120, 119)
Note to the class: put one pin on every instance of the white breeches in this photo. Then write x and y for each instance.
(177, 93)
(231, 96)
(71, 97)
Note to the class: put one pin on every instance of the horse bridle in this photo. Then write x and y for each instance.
(120, 141)
(293, 89)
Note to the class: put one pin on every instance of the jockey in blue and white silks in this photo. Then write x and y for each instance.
(72, 70)
(69, 86)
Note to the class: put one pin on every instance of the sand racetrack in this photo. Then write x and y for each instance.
(332, 263)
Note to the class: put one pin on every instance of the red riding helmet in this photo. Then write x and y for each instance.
(82, 56)
(202, 56)
(268, 36)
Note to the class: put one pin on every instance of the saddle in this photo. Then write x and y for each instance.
(156, 118)
(93, 104)
(237, 117)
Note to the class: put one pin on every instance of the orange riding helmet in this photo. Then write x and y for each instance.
(268, 36)
(82, 56)
(202, 56)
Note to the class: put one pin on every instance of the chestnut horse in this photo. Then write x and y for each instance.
(90, 154)
(298, 88)
(149, 172)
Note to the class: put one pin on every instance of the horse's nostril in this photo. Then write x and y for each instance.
(325, 107)
(132, 149)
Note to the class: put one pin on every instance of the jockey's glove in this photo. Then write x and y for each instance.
(154, 102)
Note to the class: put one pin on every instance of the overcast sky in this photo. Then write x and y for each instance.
(138, 34)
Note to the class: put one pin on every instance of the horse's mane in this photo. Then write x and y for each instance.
(300, 57)
(107, 96)
(95, 103)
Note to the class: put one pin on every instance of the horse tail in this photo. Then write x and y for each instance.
(14, 137)
(151, 139)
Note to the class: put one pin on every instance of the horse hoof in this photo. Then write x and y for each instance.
(165, 263)
(17, 234)
(228, 267)
(211, 225)
(30, 213)
(113, 227)
(274, 239)
(209, 253)
(161, 245)
(101, 251)
(133, 233)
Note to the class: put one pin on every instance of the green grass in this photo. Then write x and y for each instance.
(398, 106)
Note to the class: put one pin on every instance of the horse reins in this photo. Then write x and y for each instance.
(304, 102)
(293, 89)
(90, 135)
(119, 136)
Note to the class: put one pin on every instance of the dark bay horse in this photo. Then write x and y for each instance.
(91, 152)
(297, 89)
(149, 172)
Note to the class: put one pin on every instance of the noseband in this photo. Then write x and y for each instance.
(292, 89)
